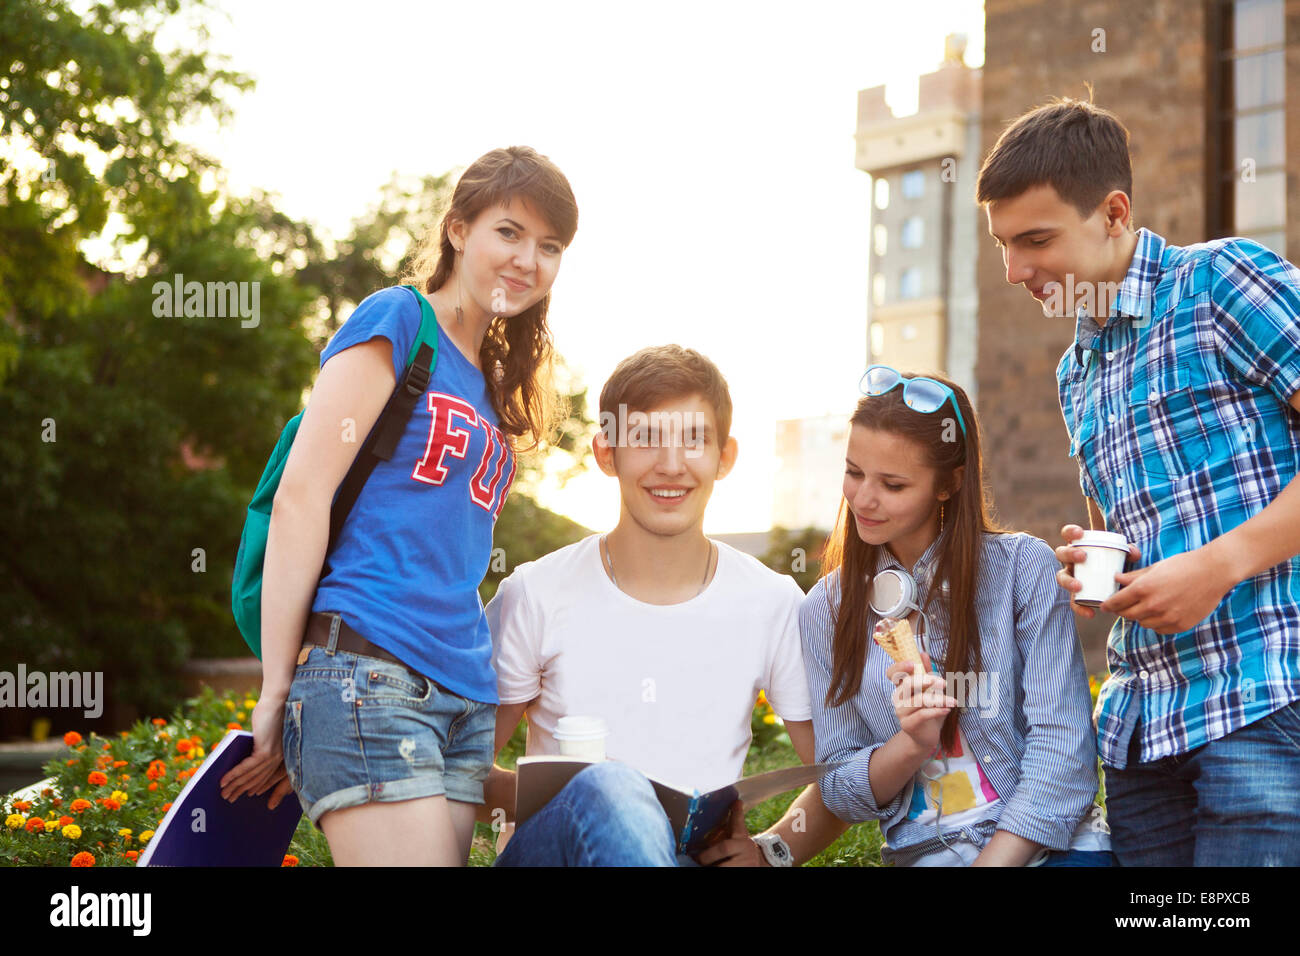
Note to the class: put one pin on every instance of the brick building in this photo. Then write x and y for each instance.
(1215, 140)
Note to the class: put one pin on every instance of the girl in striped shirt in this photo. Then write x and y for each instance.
(992, 759)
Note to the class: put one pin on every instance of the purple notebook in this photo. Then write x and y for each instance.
(202, 829)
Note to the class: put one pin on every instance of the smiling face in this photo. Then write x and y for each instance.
(1044, 239)
(666, 463)
(892, 493)
(510, 257)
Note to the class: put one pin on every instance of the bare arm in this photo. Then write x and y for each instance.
(1007, 849)
(499, 790)
(807, 826)
(354, 384)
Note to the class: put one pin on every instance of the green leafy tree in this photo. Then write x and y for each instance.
(131, 436)
(796, 553)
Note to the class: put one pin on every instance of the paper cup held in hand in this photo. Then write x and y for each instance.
(582, 737)
(1107, 552)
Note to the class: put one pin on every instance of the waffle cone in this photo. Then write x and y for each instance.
(896, 637)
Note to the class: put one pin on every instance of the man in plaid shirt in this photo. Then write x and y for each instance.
(1181, 396)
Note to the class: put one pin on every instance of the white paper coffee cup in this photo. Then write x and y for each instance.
(1107, 551)
(581, 736)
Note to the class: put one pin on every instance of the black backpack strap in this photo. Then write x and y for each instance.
(384, 435)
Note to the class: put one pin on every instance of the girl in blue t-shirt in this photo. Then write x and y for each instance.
(378, 698)
(992, 760)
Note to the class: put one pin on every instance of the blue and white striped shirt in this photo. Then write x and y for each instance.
(1178, 417)
(1029, 726)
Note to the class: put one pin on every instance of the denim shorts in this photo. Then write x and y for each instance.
(357, 729)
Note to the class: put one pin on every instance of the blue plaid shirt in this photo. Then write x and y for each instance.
(1177, 411)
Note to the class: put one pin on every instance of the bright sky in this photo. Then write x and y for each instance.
(710, 147)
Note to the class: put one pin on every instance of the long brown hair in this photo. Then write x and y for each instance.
(968, 516)
(517, 353)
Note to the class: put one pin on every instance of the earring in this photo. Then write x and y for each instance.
(460, 313)
(940, 516)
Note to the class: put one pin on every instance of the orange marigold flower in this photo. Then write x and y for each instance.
(234, 725)
(184, 746)
(47, 792)
(64, 821)
(72, 738)
(290, 860)
(56, 801)
(124, 735)
(79, 804)
(112, 804)
(108, 744)
(158, 721)
(22, 806)
(119, 763)
(96, 778)
(166, 806)
(131, 854)
(83, 859)
(153, 786)
(124, 777)
(35, 824)
(70, 762)
(101, 762)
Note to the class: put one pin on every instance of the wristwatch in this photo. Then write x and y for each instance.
(775, 849)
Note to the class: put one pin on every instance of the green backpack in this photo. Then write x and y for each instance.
(381, 443)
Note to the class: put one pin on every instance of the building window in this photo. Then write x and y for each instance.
(913, 233)
(1248, 191)
(913, 184)
(882, 193)
(880, 239)
(909, 283)
(877, 340)
(878, 289)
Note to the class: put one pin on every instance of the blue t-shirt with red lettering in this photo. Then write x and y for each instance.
(409, 559)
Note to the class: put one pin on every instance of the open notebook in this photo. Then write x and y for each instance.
(696, 817)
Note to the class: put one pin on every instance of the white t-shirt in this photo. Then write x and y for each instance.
(676, 684)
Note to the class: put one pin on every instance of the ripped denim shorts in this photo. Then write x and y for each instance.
(358, 729)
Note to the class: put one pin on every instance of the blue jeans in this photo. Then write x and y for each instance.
(1230, 802)
(607, 815)
(359, 729)
(1079, 858)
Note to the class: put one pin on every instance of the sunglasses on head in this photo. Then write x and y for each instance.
(919, 394)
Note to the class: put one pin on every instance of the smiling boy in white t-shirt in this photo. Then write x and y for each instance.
(665, 634)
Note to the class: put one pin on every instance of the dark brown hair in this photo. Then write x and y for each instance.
(967, 518)
(662, 372)
(1078, 149)
(516, 355)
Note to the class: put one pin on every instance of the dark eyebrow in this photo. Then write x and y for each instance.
(1027, 234)
(883, 474)
(520, 228)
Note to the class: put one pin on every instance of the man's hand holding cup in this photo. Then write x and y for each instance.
(1089, 587)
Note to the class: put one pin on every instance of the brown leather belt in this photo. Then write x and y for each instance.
(318, 633)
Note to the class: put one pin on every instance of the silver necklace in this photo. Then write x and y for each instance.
(609, 564)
